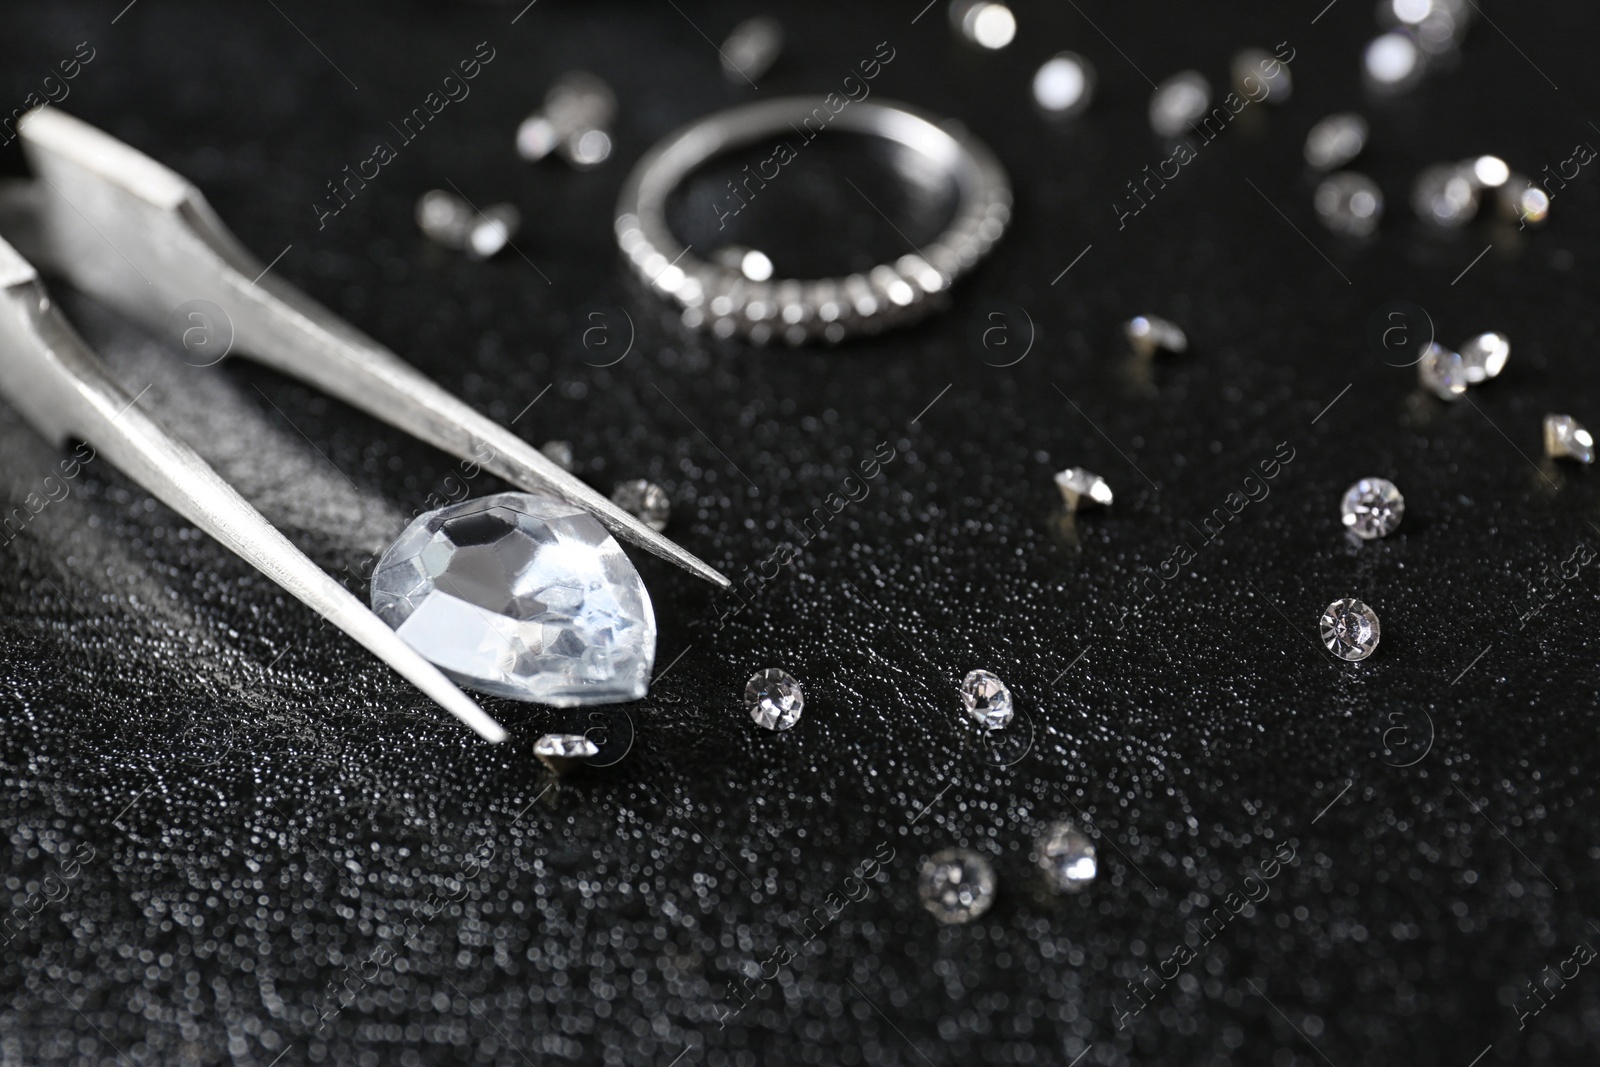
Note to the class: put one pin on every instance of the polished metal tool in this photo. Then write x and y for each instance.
(133, 234)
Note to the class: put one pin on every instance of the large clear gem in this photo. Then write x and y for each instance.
(520, 596)
(774, 699)
(1371, 508)
(987, 699)
(956, 885)
(1350, 629)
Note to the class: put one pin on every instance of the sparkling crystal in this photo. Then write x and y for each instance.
(1253, 68)
(1565, 438)
(1349, 629)
(1484, 356)
(1336, 140)
(1064, 85)
(523, 597)
(645, 501)
(559, 453)
(1371, 508)
(1523, 202)
(454, 223)
(1442, 372)
(1393, 62)
(752, 48)
(1067, 857)
(956, 885)
(1178, 101)
(1149, 335)
(1489, 172)
(774, 699)
(987, 699)
(560, 751)
(577, 105)
(1349, 204)
(1082, 489)
(985, 25)
(1445, 195)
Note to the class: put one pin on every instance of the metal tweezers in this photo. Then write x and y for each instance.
(133, 234)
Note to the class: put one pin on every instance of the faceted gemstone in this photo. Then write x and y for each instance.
(520, 596)
(1349, 629)
(1445, 195)
(956, 885)
(1083, 489)
(1523, 202)
(1178, 101)
(1336, 140)
(752, 48)
(1252, 69)
(560, 752)
(774, 699)
(1484, 356)
(1371, 508)
(559, 453)
(1393, 62)
(1066, 856)
(987, 699)
(645, 501)
(1349, 204)
(1442, 372)
(1565, 438)
(1064, 85)
(1149, 335)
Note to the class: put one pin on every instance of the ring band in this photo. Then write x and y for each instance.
(723, 300)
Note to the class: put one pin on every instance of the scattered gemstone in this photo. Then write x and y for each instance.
(1490, 172)
(520, 596)
(752, 48)
(560, 752)
(1178, 101)
(1349, 204)
(1064, 85)
(1371, 508)
(987, 699)
(456, 224)
(1149, 335)
(1067, 857)
(577, 107)
(645, 501)
(1442, 372)
(750, 262)
(774, 699)
(1253, 68)
(956, 885)
(1484, 356)
(1336, 140)
(1437, 25)
(1523, 202)
(986, 25)
(1445, 195)
(1350, 629)
(1393, 62)
(559, 453)
(1082, 489)
(1565, 438)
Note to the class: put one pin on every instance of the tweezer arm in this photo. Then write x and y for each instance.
(63, 390)
(133, 234)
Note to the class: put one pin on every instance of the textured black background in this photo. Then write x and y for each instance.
(258, 804)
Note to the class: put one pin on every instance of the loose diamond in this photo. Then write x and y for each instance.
(1484, 356)
(751, 49)
(1442, 372)
(1064, 85)
(1349, 629)
(1082, 489)
(984, 24)
(560, 752)
(1178, 101)
(1393, 62)
(956, 885)
(1252, 69)
(456, 224)
(774, 699)
(1067, 857)
(987, 699)
(1565, 438)
(1371, 508)
(645, 501)
(1336, 140)
(1445, 195)
(1149, 335)
(1523, 202)
(520, 596)
(559, 453)
(1490, 172)
(1349, 203)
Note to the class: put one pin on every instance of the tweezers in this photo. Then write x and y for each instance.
(137, 236)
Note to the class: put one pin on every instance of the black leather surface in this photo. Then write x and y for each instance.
(223, 825)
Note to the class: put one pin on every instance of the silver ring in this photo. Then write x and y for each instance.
(723, 300)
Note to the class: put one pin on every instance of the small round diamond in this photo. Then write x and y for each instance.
(1064, 85)
(987, 699)
(1350, 629)
(1372, 508)
(1067, 857)
(956, 885)
(1349, 203)
(774, 699)
(1178, 101)
(645, 501)
(1484, 356)
(1336, 140)
(1442, 372)
(1445, 195)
